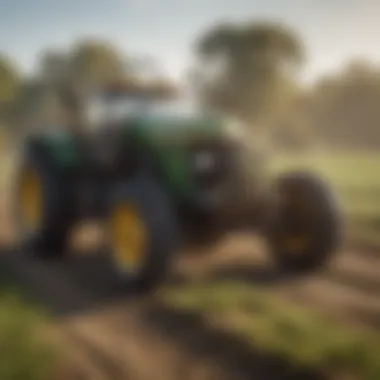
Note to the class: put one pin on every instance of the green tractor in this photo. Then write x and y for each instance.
(163, 174)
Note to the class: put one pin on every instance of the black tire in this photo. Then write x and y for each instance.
(323, 227)
(49, 239)
(162, 229)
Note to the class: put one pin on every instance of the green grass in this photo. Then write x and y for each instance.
(355, 176)
(271, 324)
(26, 354)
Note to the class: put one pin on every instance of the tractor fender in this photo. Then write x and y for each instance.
(59, 149)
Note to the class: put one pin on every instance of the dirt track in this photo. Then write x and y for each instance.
(348, 288)
(115, 336)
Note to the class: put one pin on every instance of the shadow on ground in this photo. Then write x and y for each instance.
(74, 285)
(81, 283)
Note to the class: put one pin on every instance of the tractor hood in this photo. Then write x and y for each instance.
(181, 130)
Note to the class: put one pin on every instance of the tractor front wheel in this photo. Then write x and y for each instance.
(306, 229)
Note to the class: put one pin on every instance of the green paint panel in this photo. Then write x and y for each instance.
(175, 163)
(169, 139)
(63, 148)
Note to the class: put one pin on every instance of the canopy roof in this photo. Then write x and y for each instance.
(157, 88)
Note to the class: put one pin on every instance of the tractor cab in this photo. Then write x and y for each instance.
(121, 104)
(158, 111)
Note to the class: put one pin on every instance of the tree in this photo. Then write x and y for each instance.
(95, 62)
(248, 70)
(344, 108)
(86, 64)
(53, 66)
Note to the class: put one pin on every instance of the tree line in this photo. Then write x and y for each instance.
(250, 71)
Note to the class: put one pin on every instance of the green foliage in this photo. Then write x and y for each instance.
(95, 62)
(272, 324)
(86, 64)
(257, 66)
(344, 109)
(254, 37)
(249, 70)
(9, 80)
(10, 86)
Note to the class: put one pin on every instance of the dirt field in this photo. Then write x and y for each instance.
(113, 336)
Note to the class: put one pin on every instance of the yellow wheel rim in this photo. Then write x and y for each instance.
(298, 243)
(30, 201)
(128, 236)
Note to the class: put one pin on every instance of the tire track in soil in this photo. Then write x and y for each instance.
(116, 336)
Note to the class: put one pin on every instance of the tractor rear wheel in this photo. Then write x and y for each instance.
(43, 209)
(144, 232)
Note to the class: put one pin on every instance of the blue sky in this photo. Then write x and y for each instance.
(333, 30)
